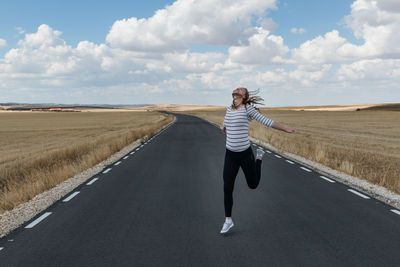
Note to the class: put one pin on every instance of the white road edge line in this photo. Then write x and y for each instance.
(327, 179)
(304, 168)
(277, 156)
(126, 157)
(109, 169)
(291, 162)
(92, 181)
(71, 196)
(38, 220)
(269, 151)
(132, 153)
(358, 193)
(116, 164)
(395, 211)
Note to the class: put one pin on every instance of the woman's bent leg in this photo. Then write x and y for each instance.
(251, 168)
(231, 168)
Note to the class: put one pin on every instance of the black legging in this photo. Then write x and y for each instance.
(251, 169)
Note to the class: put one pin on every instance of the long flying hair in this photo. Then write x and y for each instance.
(250, 97)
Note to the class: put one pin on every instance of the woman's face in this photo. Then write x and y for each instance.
(237, 96)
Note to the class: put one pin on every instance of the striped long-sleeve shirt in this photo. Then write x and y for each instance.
(237, 126)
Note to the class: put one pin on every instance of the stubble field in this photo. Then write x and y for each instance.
(365, 144)
(41, 149)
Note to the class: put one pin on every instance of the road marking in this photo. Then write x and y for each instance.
(291, 162)
(137, 148)
(358, 193)
(71, 196)
(254, 145)
(126, 157)
(1, 248)
(307, 170)
(133, 152)
(278, 156)
(92, 181)
(269, 151)
(38, 220)
(327, 179)
(109, 169)
(116, 164)
(395, 211)
(141, 146)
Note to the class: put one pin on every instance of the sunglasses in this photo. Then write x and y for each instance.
(236, 94)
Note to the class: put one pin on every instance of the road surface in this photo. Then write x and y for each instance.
(163, 206)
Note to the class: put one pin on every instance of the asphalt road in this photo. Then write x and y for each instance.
(163, 206)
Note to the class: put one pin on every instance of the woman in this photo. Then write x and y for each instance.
(238, 150)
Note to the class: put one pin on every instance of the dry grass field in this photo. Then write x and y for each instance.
(364, 144)
(41, 149)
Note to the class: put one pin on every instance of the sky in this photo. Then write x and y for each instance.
(295, 53)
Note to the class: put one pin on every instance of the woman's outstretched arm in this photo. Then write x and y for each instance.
(280, 127)
(267, 121)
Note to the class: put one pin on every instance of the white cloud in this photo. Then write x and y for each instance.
(322, 49)
(3, 43)
(370, 70)
(298, 30)
(186, 22)
(149, 58)
(20, 30)
(263, 48)
(376, 22)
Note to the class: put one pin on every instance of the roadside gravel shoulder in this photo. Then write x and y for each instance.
(14, 218)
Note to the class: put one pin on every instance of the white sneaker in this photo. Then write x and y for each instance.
(260, 152)
(227, 226)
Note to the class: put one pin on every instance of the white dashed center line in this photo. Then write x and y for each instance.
(327, 179)
(304, 168)
(278, 156)
(1, 248)
(38, 220)
(92, 181)
(126, 157)
(358, 193)
(269, 152)
(133, 152)
(291, 162)
(116, 164)
(395, 211)
(71, 196)
(109, 169)
(137, 148)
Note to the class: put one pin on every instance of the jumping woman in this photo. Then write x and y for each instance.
(238, 150)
